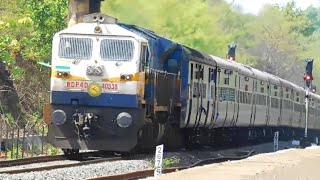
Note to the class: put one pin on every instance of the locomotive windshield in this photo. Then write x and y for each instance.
(75, 48)
(116, 50)
(83, 48)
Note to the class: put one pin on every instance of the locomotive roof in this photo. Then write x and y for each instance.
(107, 29)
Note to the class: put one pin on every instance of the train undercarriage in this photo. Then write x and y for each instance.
(165, 130)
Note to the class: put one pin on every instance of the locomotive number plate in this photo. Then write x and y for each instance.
(83, 85)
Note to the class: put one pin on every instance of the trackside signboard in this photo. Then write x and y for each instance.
(158, 160)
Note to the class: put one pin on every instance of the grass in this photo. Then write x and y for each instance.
(167, 162)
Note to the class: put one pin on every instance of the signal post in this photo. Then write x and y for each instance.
(308, 77)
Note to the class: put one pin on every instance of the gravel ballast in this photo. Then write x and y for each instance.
(125, 166)
(82, 172)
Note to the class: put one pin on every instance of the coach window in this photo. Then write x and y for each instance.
(226, 81)
(275, 90)
(262, 90)
(246, 88)
(213, 75)
(199, 72)
(312, 102)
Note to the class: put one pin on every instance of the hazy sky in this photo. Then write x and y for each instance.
(253, 6)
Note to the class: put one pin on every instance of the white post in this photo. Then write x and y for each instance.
(276, 141)
(307, 113)
(158, 161)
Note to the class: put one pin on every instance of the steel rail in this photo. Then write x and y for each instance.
(24, 161)
(150, 172)
(40, 159)
(95, 161)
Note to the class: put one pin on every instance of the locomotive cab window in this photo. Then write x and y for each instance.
(144, 56)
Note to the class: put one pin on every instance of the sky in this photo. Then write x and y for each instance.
(253, 6)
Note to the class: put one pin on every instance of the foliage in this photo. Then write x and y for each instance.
(15, 152)
(48, 17)
(7, 117)
(277, 40)
(50, 150)
(177, 20)
(26, 31)
(167, 162)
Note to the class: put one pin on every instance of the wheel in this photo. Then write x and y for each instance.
(71, 153)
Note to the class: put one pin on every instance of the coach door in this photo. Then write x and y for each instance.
(211, 96)
(202, 103)
(222, 97)
(268, 104)
(203, 76)
(195, 77)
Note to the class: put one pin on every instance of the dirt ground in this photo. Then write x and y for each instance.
(291, 164)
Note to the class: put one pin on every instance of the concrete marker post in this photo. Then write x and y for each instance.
(158, 160)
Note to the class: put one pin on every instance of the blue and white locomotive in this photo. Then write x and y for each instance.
(116, 86)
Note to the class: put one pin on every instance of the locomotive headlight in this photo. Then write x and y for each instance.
(124, 120)
(98, 70)
(63, 74)
(128, 77)
(97, 29)
(90, 70)
(125, 77)
(59, 117)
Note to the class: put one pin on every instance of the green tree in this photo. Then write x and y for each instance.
(280, 44)
(26, 32)
(199, 26)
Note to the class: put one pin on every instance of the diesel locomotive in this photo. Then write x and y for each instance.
(116, 86)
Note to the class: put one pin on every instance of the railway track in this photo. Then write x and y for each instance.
(150, 172)
(110, 166)
(57, 166)
(24, 161)
(42, 159)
